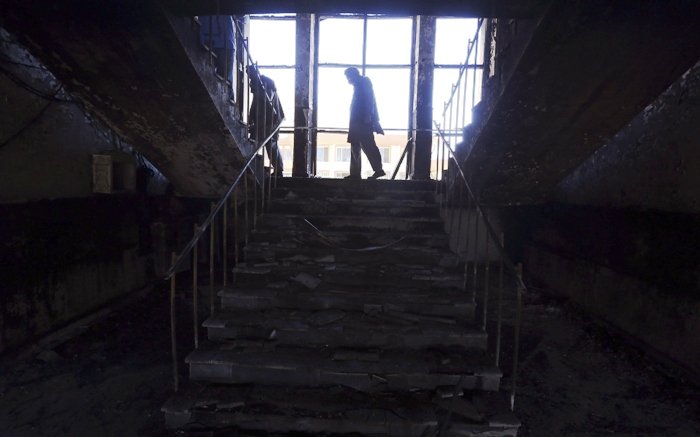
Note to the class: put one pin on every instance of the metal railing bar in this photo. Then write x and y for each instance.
(218, 206)
(509, 264)
(195, 299)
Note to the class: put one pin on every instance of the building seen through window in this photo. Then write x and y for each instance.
(385, 45)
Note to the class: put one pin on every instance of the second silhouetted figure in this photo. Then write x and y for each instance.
(364, 121)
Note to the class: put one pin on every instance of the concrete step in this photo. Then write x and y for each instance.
(326, 223)
(330, 251)
(354, 207)
(336, 411)
(365, 370)
(328, 274)
(356, 186)
(352, 238)
(352, 329)
(442, 303)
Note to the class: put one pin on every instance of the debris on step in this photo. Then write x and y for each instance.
(326, 317)
(462, 407)
(308, 281)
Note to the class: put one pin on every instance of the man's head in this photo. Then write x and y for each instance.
(352, 74)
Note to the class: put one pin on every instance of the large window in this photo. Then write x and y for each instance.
(272, 46)
(380, 47)
(383, 54)
(452, 38)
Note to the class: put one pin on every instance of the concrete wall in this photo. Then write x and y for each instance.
(653, 162)
(624, 240)
(64, 251)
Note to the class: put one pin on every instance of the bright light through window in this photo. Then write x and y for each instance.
(334, 96)
(273, 42)
(340, 41)
(389, 40)
(452, 39)
(284, 81)
(391, 89)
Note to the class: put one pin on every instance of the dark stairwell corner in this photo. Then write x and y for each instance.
(116, 136)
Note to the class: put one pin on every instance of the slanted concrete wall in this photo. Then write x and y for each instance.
(624, 241)
(653, 162)
(64, 251)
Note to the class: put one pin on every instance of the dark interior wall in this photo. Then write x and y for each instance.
(65, 258)
(64, 251)
(623, 240)
(650, 164)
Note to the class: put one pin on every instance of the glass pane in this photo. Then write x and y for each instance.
(340, 41)
(284, 81)
(272, 42)
(452, 39)
(391, 90)
(389, 40)
(334, 96)
(443, 81)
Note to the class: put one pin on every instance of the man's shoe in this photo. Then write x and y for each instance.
(377, 174)
(351, 177)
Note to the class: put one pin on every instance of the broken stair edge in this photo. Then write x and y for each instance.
(340, 410)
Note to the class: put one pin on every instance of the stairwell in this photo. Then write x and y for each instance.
(347, 316)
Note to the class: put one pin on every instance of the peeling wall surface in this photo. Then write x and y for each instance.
(626, 245)
(589, 68)
(638, 271)
(650, 164)
(125, 62)
(65, 258)
(64, 251)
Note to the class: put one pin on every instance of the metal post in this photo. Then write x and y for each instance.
(500, 306)
(195, 298)
(516, 329)
(486, 282)
(459, 216)
(477, 213)
(212, 242)
(173, 331)
(466, 244)
(255, 200)
(262, 184)
(235, 226)
(245, 202)
(224, 245)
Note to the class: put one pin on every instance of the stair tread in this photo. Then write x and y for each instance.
(336, 410)
(317, 216)
(295, 319)
(341, 360)
(447, 296)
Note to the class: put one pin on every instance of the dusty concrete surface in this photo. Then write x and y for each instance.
(576, 379)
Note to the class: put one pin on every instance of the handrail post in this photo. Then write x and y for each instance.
(235, 227)
(195, 298)
(245, 195)
(466, 243)
(255, 200)
(224, 246)
(173, 331)
(516, 334)
(477, 213)
(500, 306)
(212, 242)
(486, 283)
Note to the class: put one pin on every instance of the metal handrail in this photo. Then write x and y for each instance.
(458, 196)
(221, 207)
(503, 256)
(203, 227)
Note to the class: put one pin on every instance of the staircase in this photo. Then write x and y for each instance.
(347, 317)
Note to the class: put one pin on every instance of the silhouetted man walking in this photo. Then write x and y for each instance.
(364, 121)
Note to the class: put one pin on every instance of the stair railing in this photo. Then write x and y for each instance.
(475, 233)
(217, 222)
